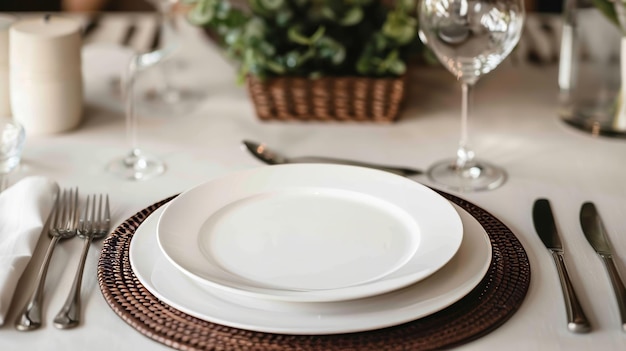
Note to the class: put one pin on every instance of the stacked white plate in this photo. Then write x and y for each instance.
(310, 249)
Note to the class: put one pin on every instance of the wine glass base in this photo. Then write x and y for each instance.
(137, 166)
(478, 176)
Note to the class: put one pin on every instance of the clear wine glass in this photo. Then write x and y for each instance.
(137, 164)
(167, 96)
(470, 38)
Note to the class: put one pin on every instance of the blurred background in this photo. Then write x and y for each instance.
(144, 5)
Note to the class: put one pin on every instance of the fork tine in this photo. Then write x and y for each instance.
(63, 211)
(98, 225)
(82, 222)
(107, 215)
(92, 222)
(67, 200)
(68, 211)
(88, 215)
(57, 210)
(75, 211)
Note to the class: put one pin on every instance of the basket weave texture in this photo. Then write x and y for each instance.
(363, 99)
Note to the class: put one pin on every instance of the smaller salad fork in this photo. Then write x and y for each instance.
(93, 224)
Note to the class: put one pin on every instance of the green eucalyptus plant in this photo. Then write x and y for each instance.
(313, 38)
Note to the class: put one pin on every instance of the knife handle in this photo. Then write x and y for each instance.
(618, 287)
(577, 321)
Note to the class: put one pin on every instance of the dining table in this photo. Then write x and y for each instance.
(514, 124)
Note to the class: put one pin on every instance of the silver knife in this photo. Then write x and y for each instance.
(545, 226)
(596, 235)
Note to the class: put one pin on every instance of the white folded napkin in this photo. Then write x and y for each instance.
(24, 208)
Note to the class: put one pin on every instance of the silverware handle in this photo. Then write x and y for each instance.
(577, 321)
(69, 315)
(30, 317)
(618, 287)
(403, 171)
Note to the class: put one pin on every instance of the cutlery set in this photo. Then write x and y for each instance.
(64, 223)
(597, 237)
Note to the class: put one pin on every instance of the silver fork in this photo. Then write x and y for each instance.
(62, 226)
(94, 224)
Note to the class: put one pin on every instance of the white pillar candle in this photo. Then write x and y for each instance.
(45, 74)
(5, 105)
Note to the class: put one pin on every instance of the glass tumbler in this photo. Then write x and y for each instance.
(590, 69)
(12, 138)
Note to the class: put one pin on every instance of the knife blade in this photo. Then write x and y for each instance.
(596, 234)
(543, 219)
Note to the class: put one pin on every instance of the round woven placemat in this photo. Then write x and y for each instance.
(489, 305)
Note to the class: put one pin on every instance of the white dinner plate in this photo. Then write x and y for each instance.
(309, 232)
(455, 280)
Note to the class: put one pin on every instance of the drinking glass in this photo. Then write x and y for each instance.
(12, 138)
(470, 38)
(169, 96)
(137, 164)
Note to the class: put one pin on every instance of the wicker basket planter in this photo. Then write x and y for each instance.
(360, 99)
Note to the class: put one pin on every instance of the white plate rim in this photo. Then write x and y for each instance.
(183, 254)
(435, 293)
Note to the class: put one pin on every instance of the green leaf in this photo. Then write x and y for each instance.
(318, 34)
(400, 28)
(266, 7)
(283, 18)
(223, 10)
(267, 48)
(231, 37)
(202, 13)
(293, 33)
(607, 8)
(292, 59)
(328, 13)
(332, 50)
(352, 17)
(275, 67)
(295, 59)
(272, 5)
(295, 36)
(255, 28)
(397, 67)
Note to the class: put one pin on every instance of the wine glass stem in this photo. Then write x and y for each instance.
(131, 117)
(465, 154)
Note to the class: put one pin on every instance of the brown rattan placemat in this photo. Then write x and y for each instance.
(488, 306)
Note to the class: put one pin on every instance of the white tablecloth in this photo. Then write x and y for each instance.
(514, 125)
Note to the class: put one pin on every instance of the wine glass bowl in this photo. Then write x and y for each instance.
(168, 94)
(137, 164)
(470, 38)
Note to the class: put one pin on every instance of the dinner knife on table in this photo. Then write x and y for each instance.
(595, 233)
(545, 226)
